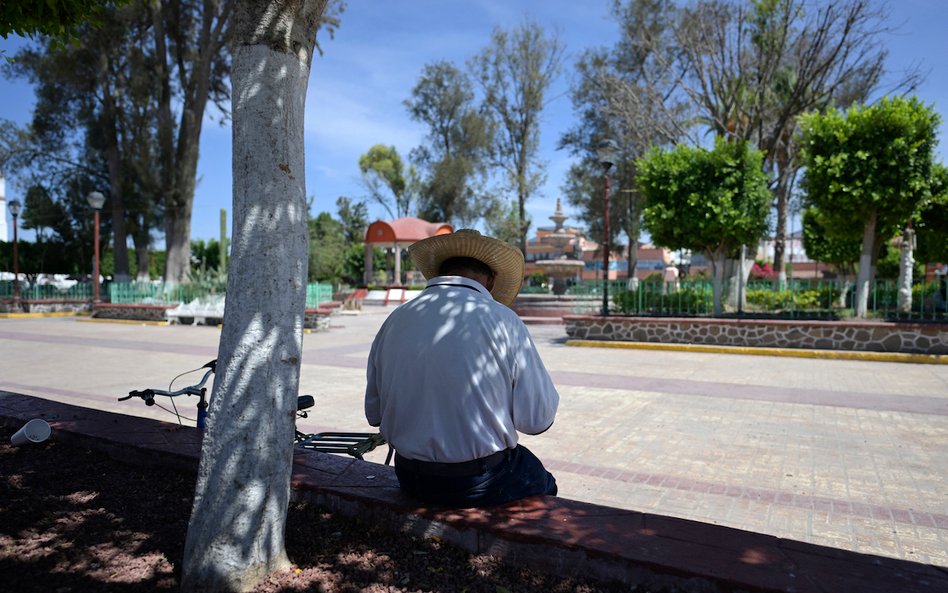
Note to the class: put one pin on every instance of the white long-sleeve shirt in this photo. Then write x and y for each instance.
(453, 375)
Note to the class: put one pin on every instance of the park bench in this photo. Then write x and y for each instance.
(209, 311)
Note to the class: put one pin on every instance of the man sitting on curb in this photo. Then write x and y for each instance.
(453, 375)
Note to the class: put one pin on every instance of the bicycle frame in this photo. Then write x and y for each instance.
(355, 444)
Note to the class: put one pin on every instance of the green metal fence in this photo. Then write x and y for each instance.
(146, 293)
(317, 294)
(797, 299)
(160, 294)
(48, 292)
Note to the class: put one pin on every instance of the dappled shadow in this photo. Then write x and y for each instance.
(72, 520)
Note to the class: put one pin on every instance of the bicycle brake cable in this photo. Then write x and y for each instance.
(173, 405)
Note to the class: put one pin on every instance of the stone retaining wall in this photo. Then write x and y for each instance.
(45, 306)
(914, 338)
(132, 312)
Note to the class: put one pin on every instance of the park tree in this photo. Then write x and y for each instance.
(236, 533)
(191, 63)
(515, 73)
(611, 100)
(328, 250)
(745, 70)
(453, 159)
(838, 246)
(868, 170)
(354, 218)
(94, 107)
(387, 180)
(706, 200)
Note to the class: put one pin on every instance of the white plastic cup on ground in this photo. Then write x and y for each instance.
(35, 431)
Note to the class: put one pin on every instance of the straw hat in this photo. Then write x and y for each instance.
(504, 259)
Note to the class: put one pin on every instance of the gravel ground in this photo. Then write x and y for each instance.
(73, 520)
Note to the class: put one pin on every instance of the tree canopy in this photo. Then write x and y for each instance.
(707, 200)
(453, 159)
(868, 170)
(515, 72)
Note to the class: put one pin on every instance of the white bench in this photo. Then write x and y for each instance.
(199, 311)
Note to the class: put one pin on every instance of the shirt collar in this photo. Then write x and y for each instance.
(459, 280)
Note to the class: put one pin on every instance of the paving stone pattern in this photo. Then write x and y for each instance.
(840, 453)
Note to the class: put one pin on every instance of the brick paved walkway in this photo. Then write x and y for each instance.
(840, 453)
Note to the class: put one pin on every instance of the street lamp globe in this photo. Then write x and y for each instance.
(14, 207)
(96, 200)
(606, 152)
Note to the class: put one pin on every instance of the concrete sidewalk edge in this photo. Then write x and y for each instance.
(761, 351)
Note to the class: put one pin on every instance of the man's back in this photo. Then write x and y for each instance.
(453, 375)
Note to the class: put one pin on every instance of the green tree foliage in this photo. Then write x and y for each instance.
(515, 73)
(502, 220)
(868, 169)
(830, 244)
(745, 70)
(453, 159)
(354, 217)
(711, 201)
(931, 223)
(387, 180)
(57, 19)
(328, 249)
(42, 213)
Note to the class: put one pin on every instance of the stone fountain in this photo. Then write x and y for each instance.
(563, 267)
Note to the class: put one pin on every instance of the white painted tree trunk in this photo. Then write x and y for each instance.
(737, 272)
(906, 263)
(864, 279)
(236, 534)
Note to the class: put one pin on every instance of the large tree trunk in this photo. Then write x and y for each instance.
(236, 534)
(114, 160)
(864, 280)
(179, 151)
(142, 255)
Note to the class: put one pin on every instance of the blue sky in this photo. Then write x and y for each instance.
(357, 88)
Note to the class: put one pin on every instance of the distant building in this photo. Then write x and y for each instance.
(651, 259)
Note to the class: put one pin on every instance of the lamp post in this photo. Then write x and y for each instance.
(14, 207)
(96, 200)
(606, 152)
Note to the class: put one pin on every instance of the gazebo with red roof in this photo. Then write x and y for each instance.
(398, 234)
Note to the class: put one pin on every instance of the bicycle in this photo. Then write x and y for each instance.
(355, 444)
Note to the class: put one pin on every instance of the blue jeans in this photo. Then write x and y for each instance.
(519, 475)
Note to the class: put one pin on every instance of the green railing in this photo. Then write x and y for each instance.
(160, 294)
(146, 293)
(48, 292)
(317, 294)
(799, 299)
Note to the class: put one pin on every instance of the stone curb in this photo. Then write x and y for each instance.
(39, 315)
(763, 351)
(125, 321)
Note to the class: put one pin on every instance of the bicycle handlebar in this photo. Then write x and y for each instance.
(148, 395)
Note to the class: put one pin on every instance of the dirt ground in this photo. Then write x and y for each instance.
(73, 520)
